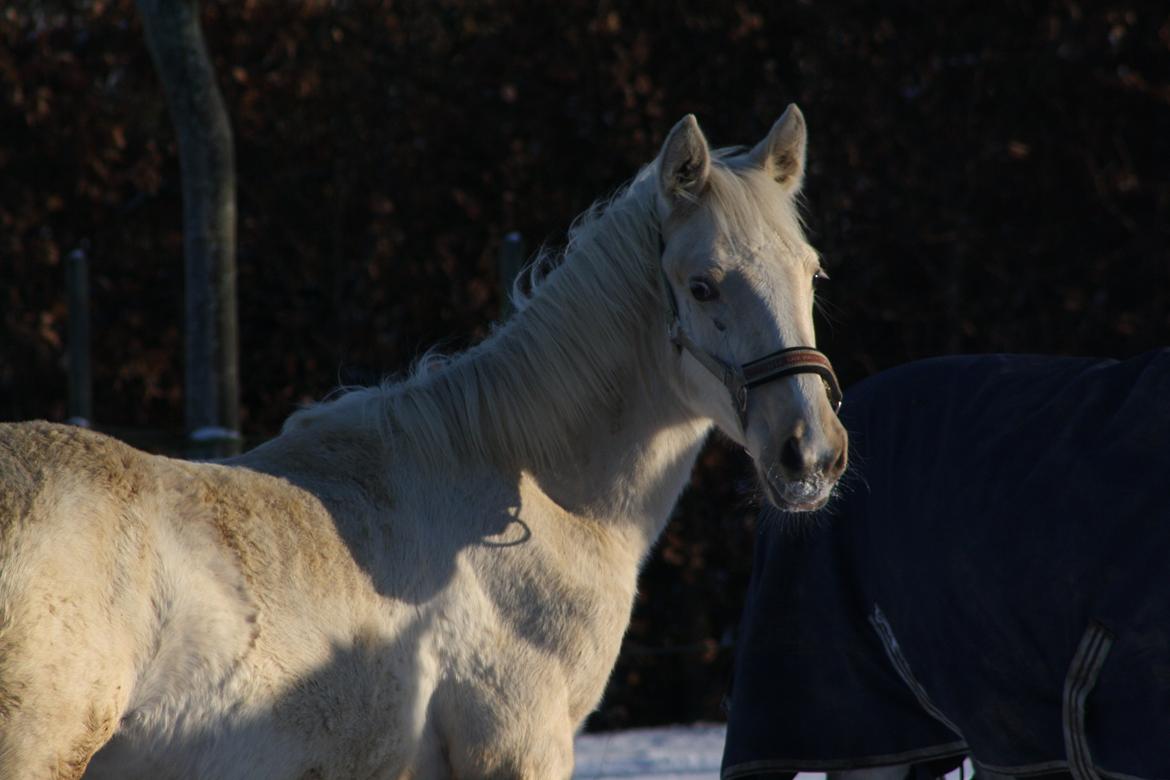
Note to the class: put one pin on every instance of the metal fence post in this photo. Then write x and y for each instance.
(80, 379)
(512, 257)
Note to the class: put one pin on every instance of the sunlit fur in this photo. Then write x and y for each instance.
(426, 579)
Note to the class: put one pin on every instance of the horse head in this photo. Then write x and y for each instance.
(739, 276)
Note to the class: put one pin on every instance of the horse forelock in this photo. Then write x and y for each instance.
(743, 200)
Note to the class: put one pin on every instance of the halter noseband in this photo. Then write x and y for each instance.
(738, 379)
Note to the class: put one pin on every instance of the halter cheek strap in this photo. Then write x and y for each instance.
(740, 379)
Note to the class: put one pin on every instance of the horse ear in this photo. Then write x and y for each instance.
(781, 153)
(685, 162)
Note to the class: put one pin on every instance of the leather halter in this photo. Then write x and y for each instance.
(739, 379)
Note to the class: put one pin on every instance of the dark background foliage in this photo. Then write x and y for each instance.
(984, 176)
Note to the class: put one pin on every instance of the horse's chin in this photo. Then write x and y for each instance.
(806, 495)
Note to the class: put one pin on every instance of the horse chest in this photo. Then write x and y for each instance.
(537, 616)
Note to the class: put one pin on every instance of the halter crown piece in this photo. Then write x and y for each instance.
(739, 379)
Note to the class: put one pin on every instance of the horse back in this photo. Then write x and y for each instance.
(44, 468)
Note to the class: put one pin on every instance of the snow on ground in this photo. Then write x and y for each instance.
(673, 753)
(677, 753)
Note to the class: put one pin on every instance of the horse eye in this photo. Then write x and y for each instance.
(703, 289)
(819, 277)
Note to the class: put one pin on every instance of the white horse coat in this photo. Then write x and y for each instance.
(427, 579)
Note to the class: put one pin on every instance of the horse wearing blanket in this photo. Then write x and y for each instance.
(992, 583)
(430, 578)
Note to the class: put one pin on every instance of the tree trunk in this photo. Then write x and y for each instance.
(207, 164)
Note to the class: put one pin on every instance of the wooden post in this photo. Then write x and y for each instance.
(80, 379)
(512, 257)
(207, 164)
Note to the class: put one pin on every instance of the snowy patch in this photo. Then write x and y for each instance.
(676, 753)
(672, 753)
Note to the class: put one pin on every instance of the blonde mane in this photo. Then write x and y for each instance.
(519, 396)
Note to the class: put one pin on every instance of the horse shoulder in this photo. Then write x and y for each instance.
(265, 611)
(286, 543)
(564, 584)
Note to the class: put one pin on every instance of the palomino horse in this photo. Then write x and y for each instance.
(430, 578)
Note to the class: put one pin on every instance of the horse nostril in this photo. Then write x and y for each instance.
(840, 461)
(792, 456)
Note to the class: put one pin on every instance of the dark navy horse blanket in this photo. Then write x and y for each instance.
(993, 580)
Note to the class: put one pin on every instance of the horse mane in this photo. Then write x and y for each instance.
(523, 394)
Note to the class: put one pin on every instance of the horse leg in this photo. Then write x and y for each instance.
(496, 736)
(546, 756)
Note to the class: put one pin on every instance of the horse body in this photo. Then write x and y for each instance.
(205, 610)
(260, 624)
(427, 579)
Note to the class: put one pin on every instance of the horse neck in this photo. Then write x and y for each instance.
(574, 390)
(632, 451)
(631, 464)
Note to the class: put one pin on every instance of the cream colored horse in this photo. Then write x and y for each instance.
(432, 578)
